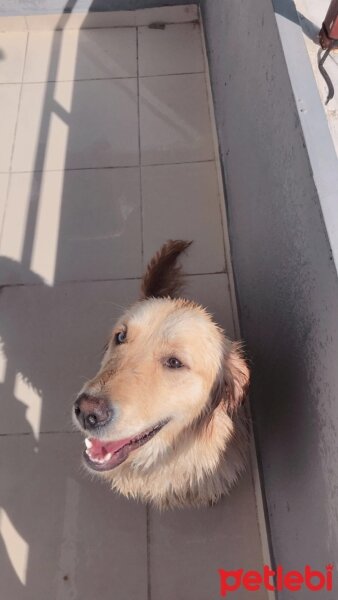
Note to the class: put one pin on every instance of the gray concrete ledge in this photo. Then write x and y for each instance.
(280, 174)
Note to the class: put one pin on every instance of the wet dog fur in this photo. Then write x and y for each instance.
(195, 450)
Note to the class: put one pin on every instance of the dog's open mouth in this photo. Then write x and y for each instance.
(103, 456)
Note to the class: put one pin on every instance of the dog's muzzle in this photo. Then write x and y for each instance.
(92, 412)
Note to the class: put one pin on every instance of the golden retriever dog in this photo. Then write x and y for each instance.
(160, 418)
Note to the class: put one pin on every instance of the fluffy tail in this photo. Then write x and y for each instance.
(163, 276)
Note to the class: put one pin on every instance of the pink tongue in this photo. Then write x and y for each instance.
(100, 449)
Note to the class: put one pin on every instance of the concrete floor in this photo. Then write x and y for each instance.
(106, 151)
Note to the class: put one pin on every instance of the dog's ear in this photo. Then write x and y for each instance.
(232, 382)
(163, 276)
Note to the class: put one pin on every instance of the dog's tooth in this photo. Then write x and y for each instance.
(107, 457)
(88, 443)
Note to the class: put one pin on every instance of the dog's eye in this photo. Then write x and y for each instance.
(173, 363)
(120, 337)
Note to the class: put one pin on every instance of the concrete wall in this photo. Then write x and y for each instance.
(285, 274)
(31, 7)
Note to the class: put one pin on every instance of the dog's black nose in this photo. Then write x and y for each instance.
(92, 412)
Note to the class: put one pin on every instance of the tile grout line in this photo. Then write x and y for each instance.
(104, 280)
(110, 167)
(171, 164)
(139, 142)
(117, 77)
(19, 103)
(220, 191)
(2, 224)
(148, 565)
(148, 553)
(78, 27)
(14, 138)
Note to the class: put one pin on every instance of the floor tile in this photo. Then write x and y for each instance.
(82, 20)
(213, 292)
(81, 54)
(111, 18)
(63, 534)
(174, 49)
(187, 547)
(22, 200)
(52, 342)
(72, 226)
(105, 242)
(51, 22)
(182, 202)
(174, 119)
(77, 125)
(9, 102)
(13, 23)
(12, 56)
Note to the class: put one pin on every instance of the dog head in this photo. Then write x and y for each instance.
(167, 367)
